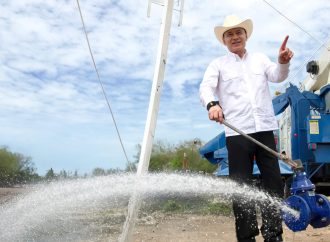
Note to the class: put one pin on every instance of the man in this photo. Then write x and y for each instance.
(239, 80)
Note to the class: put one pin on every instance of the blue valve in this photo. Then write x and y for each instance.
(313, 209)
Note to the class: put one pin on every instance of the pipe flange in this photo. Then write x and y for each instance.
(322, 207)
(300, 222)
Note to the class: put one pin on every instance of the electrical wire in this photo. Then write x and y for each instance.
(304, 63)
(294, 23)
(102, 87)
(322, 44)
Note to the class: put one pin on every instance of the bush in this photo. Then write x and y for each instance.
(169, 157)
(187, 205)
(219, 209)
(16, 168)
(171, 206)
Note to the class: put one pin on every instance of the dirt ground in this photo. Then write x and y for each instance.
(187, 228)
(193, 228)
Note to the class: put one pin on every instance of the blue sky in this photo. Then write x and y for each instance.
(51, 104)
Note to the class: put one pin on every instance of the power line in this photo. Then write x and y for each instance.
(304, 63)
(102, 87)
(322, 44)
(294, 23)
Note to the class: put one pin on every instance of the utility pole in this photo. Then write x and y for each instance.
(157, 86)
(149, 132)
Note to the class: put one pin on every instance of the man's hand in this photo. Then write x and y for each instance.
(284, 54)
(215, 113)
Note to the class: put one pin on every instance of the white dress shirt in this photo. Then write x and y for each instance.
(241, 86)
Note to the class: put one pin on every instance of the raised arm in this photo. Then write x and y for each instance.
(284, 54)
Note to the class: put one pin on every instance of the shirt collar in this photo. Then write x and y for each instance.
(235, 57)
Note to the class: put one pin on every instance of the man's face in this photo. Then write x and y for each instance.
(235, 40)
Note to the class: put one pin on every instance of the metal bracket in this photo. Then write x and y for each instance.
(180, 4)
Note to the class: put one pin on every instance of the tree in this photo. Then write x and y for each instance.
(9, 166)
(27, 172)
(98, 172)
(75, 175)
(50, 175)
(63, 174)
(166, 157)
(16, 168)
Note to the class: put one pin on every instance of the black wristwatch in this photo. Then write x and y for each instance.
(211, 104)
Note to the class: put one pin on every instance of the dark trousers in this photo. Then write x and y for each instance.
(241, 153)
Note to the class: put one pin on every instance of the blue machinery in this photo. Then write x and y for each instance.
(310, 142)
(314, 209)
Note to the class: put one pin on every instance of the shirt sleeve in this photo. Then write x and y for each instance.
(209, 84)
(275, 72)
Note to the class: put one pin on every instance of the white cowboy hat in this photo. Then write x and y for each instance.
(232, 21)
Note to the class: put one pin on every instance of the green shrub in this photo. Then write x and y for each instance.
(171, 206)
(219, 209)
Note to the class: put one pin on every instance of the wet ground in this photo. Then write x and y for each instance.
(158, 226)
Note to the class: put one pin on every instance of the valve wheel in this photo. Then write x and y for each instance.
(300, 205)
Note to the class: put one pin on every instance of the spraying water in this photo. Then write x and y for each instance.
(72, 210)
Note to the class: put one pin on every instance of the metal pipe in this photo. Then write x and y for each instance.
(294, 164)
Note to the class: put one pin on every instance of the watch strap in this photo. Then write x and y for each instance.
(211, 104)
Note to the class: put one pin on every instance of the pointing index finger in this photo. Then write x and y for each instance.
(283, 46)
